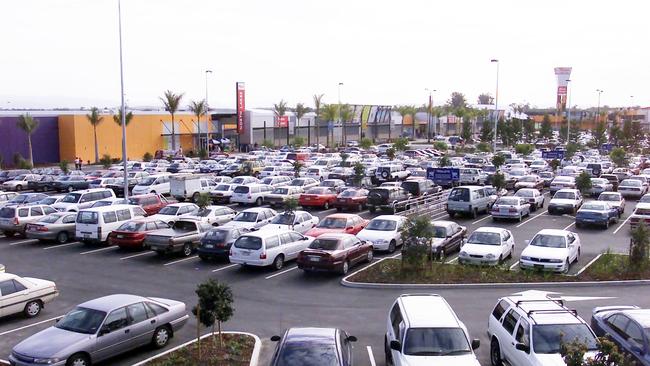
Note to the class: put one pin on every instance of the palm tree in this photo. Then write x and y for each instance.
(407, 110)
(95, 119)
(117, 117)
(346, 116)
(329, 113)
(171, 102)
(198, 108)
(438, 112)
(280, 109)
(317, 103)
(300, 111)
(28, 124)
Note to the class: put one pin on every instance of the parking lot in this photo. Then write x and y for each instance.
(267, 301)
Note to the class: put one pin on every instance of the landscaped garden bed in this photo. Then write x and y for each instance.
(236, 350)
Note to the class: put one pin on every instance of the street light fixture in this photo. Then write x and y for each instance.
(568, 112)
(429, 114)
(496, 105)
(122, 106)
(207, 115)
(340, 123)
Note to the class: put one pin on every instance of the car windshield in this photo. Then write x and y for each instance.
(439, 232)
(631, 183)
(71, 198)
(185, 226)
(81, 320)
(484, 238)
(168, 210)
(246, 217)
(223, 187)
(549, 241)
(436, 342)
(47, 201)
(528, 179)
(318, 190)
(594, 206)
(131, 226)
(147, 181)
(382, 225)
(286, 218)
(101, 204)
(524, 193)
(7, 212)
(308, 354)
(332, 223)
(248, 242)
(217, 235)
(565, 195)
(349, 193)
(508, 201)
(459, 194)
(280, 191)
(548, 338)
(325, 244)
(644, 199)
(204, 212)
(50, 219)
(87, 217)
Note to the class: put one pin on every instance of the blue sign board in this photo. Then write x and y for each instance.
(551, 155)
(443, 174)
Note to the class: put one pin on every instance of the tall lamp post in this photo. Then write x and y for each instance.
(122, 106)
(568, 112)
(599, 91)
(429, 115)
(340, 122)
(207, 115)
(496, 105)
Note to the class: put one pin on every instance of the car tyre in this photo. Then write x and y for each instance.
(278, 262)
(606, 224)
(372, 209)
(33, 308)
(567, 266)
(474, 213)
(360, 207)
(78, 359)
(19, 187)
(62, 237)
(187, 249)
(388, 356)
(339, 209)
(258, 201)
(161, 337)
(369, 256)
(495, 353)
(9, 234)
(345, 268)
(392, 246)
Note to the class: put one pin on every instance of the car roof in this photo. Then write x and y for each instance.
(7, 276)
(544, 310)
(490, 229)
(642, 316)
(342, 216)
(256, 209)
(442, 223)
(570, 190)
(389, 217)
(418, 308)
(110, 302)
(643, 205)
(553, 232)
(311, 335)
(108, 208)
(181, 204)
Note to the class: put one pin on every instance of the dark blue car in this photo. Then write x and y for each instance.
(627, 326)
(216, 243)
(599, 213)
(313, 347)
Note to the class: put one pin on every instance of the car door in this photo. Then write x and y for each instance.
(572, 246)
(521, 335)
(507, 243)
(506, 336)
(114, 335)
(141, 323)
(635, 341)
(13, 296)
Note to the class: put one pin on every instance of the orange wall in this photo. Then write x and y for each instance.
(143, 134)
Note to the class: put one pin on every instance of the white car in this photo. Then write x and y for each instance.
(300, 221)
(222, 192)
(214, 215)
(304, 183)
(529, 181)
(384, 232)
(551, 250)
(472, 176)
(562, 182)
(243, 180)
(25, 294)
(487, 246)
(19, 183)
(174, 211)
(250, 194)
(77, 200)
(277, 181)
(253, 218)
(317, 172)
(565, 201)
(268, 248)
(533, 196)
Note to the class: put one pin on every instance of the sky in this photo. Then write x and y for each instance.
(65, 53)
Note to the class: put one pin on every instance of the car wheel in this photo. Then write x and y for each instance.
(187, 249)
(607, 224)
(360, 208)
(567, 266)
(9, 234)
(32, 308)
(392, 246)
(495, 353)
(19, 187)
(62, 237)
(161, 337)
(372, 209)
(326, 206)
(195, 197)
(339, 209)
(387, 353)
(258, 201)
(578, 256)
(345, 268)
(369, 256)
(533, 208)
(542, 205)
(474, 213)
(521, 217)
(70, 189)
(278, 262)
(78, 360)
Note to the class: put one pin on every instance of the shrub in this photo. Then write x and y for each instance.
(484, 147)
(203, 153)
(106, 161)
(401, 143)
(297, 166)
(115, 160)
(444, 161)
(359, 172)
(290, 204)
(524, 149)
(190, 154)
(416, 236)
(608, 354)
(390, 153)
(498, 160)
(298, 141)
(618, 156)
(554, 164)
(639, 246)
(365, 143)
(147, 157)
(583, 182)
(63, 165)
(268, 144)
(440, 145)
(203, 200)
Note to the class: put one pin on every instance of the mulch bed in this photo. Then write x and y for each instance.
(236, 351)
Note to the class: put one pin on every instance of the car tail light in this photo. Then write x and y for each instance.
(15, 221)
(512, 209)
(42, 228)
(263, 255)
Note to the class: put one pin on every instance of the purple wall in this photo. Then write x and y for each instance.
(45, 140)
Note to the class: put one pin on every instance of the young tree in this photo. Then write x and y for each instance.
(329, 113)
(300, 112)
(318, 98)
(290, 204)
(498, 160)
(365, 143)
(444, 162)
(390, 153)
(203, 200)
(608, 354)
(298, 141)
(600, 134)
(171, 102)
(63, 165)
(498, 180)
(297, 166)
(117, 117)
(627, 132)
(524, 149)
(639, 246)
(416, 233)
(359, 172)
(554, 164)
(106, 161)
(583, 182)
(618, 157)
(198, 108)
(545, 130)
(485, 99)
(95, 119)
(440, 145)
(483, 147)
(467, 131)
(215, 305)
(344, 158)
(28, 124)
(529, 130)
(401, 144)
(487, 131)
(515, 130)
(346, 117)
(571, 149)
(504, 132)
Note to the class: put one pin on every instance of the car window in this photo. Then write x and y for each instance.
(36, 211)
(123, 215)
(522, 335)
(109, 217)
(510, 321)
(137, 313)
(150, 226)
(286, 238)
(395, 319)
(633, 332)
(272, 242)
(7, 287)
(499, 309)
(295, 236)
(48, 210)
(23, 212)
(618, 323)
(117, 319)
(70, 219)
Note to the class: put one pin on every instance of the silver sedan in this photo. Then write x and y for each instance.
(102, 328)
(511, 207)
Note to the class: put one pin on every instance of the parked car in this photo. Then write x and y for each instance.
(182, 237)
(216, 243)
(392, 199)
(384, 232)
(627, 326)
(468, 200)
(414, 337)
(447, 238)
(75, 201)
(615, 199)
(613, 179)
(597, 213)
(20, 182)
(214, 215)
(339, 223)
(7, 175)
(13, 220)
(57, 226)
(70, 183)
(552, 250)
(600, 185)
(222, 192)
(565, 201)
(190, 186)
(472, 176)
(304, 183)
(6, 197)
(547, 177)
(487, 246)
(252, 218)
(313, 347)
(276, 181)
(334, 252)
(300, 221)
(510, 207)
(244, 180)
(318, 197)
(131, 234)
(268, 248)
(529, 181)
(50, 200)
(117, 186)
(279, 195)
(22, 199)
(153, 184)
(95, 224)
(102, 328)
(562, 182)
(351, 198)
(641, 214)
(151, 203)
(252, 194)
(533, 196)
(419, 187)
(174, 211)
(632, 188)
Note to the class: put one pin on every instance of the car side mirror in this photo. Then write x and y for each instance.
(351, 339)
(396, 346)
(476, 343)
(275, 338)
(522, 347)
(102, 331)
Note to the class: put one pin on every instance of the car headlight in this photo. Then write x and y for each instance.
(525, 257)
(555, 260)
(47, 361)
(490, 256)
(381, 241)
(463, 254)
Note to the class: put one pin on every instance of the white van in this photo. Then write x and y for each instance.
(94, 224)
(251, 194)
(157, 184)
(268, 247)
(468, 200)
(186, 186)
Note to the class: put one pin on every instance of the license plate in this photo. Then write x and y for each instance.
(314, 259)
(209, 246)
(589, 220)
(120, 236)
(538, 266)
(86, 236)
(245, 254)
(5, 221)
(503, 210)
(307, 199)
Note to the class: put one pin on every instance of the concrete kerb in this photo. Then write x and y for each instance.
(254, 356)
(368, 285)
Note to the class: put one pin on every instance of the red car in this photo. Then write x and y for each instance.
(130, 235)
(151, 203)
(317, 197)
(334, 252)
(339, 223)
(351, 199)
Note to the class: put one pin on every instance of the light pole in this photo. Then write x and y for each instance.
(599, 91)
(122, 106)
(568, 112)
(429, 115)
(342, 127)
(207, 116)
(496, 105)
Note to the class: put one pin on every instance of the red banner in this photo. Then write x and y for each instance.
(241, 106)
(283, 121)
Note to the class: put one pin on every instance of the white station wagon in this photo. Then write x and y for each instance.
(25, 294)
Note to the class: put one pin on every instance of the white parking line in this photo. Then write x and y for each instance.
(479, 220)
(30, 325)
(513, 265)
(439, 216)
(395, 255)
(98, 250)
(23, 242)
(280, 273)
(371, 356)
(181, 260)
(62, 245)
(226, 267)
(5, 362)
(451, 260)
(621, 225)
(568, 226)
(137, 255)
(532, 218)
